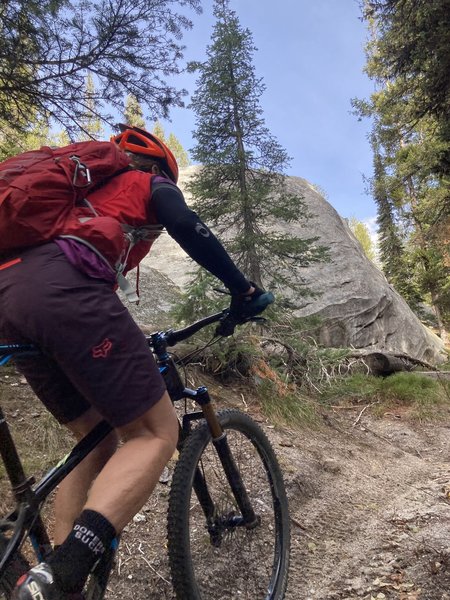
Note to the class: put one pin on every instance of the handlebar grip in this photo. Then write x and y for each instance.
(226, 327)
(261, 303)
(228, 324)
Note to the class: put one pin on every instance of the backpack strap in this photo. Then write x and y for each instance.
(135, 235)
(131, 294)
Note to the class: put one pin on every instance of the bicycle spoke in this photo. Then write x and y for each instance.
(224, 559)
(245, 557)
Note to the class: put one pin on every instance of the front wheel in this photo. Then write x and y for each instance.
(218, 557)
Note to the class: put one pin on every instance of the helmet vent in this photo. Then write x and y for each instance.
(132, 139)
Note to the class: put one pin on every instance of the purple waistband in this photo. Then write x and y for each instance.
(85, 260)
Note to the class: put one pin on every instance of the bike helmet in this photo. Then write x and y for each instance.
(138, 141)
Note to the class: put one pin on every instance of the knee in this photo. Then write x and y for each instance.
(158, 422)
(168, 434)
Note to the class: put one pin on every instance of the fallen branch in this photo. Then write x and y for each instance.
(362, 412)
(395, 358)
(153, 569)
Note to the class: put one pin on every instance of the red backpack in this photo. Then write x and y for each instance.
(40, 189)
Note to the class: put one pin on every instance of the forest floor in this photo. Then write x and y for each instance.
(369, 501)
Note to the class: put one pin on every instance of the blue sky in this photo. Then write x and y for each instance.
(310, 54)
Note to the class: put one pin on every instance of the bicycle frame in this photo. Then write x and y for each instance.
(25, 520)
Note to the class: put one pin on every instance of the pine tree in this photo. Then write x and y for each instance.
(173, 143)
(180, 153)
(158, 130)
(241, 189)
(91, 124)
(408, 58)
(133, 113)
(393, 254)
(412, 49)
(35, 135)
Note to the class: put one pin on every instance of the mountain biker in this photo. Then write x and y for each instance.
(96, 364)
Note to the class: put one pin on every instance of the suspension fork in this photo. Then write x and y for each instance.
(220, 441)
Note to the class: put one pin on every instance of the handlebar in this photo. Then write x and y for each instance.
(228, 322)
(173, 337)
(159, 341)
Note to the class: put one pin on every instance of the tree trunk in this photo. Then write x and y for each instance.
(381, 364)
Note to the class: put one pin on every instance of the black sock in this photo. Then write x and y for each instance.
(72, 562)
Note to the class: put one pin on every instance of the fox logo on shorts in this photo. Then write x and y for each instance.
(103, 349)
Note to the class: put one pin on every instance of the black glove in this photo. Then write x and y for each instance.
(242, 308)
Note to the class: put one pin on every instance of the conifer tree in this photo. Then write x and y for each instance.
(241, 188)
(158, 130)
(12, 143)
(173, 143)
(393, 254)
(133, 113)
(36, 134)
(91, 124)
(408, 57)
(180, 153)
(412, 50)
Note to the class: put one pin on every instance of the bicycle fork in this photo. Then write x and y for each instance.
(249, 519)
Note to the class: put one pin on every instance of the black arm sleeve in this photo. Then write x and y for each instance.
(186, 228)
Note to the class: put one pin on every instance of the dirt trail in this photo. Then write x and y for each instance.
(371, 518)
(374, 517)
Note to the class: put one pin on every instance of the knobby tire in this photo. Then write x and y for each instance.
(246, 563)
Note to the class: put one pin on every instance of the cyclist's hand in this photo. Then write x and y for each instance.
(242, 308)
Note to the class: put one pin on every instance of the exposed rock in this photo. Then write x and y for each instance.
(158, 293)
(357, 305)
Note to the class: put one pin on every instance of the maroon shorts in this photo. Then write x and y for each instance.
(93, 353)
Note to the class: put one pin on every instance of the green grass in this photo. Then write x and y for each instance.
(51, 439)
(40, 444)
(352, 388)
(445, 366)
(425, 397)
(285, 408)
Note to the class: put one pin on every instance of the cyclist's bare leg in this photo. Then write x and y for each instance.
(72, 492)
(129, 477)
